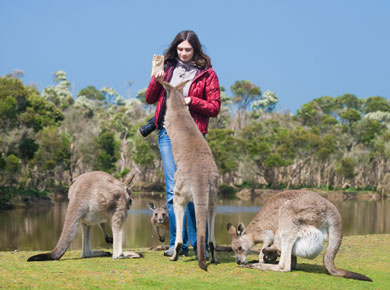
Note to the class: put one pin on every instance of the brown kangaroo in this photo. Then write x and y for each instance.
(295, 224)
(196, 178)
(95, 198)
(160, 220)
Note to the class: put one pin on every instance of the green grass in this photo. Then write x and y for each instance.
(368, 255)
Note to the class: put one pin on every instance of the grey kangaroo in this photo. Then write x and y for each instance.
(196, 177)
(294, 224)
(160, 220)
(94, 199)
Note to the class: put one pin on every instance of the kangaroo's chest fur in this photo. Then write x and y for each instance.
(193, 157)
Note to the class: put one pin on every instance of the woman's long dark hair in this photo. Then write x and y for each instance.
(201, 60)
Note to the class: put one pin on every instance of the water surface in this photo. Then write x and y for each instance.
(40, 228)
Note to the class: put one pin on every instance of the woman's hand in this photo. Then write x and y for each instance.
(159, 76)
(187, 101)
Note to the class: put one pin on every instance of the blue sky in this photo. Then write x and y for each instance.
(301, 49)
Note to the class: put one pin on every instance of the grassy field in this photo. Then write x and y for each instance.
(368, 255)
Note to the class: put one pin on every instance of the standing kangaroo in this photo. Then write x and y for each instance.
(95, 198)
(296, 224)
(160, 220)
(196, 176)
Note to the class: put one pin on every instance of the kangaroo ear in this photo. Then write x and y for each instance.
(180, 86)
(231, 229)
(129, 180)
(167, 86)
(240, 229)
(151, 206)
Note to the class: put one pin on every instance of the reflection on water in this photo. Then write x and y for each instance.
(40, 228)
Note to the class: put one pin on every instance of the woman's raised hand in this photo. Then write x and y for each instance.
(159, 76)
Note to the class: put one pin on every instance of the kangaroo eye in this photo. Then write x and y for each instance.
(155, 214)
(239, 248)
(163, 214)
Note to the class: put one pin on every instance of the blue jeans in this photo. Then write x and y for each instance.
(164, 144)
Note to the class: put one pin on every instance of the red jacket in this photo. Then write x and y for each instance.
(204, 93)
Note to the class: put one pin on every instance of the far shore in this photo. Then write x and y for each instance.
(28, 199)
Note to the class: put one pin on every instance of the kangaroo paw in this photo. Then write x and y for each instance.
(175, 255)
(109, 240)
(132, 255)
(202, 265)
(40, 257)
(100, 254)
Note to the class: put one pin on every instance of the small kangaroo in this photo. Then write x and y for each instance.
(196, 177)
(292, 224)
(160, 220)
(95, 198)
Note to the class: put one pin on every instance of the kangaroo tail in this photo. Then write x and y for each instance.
(201, 204)
(335, 236)
(72, 221)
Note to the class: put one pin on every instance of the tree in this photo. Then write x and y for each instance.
(328, 104)
(349, 101)
(40, 113)
(143, 155)
(223, 118)
(269, 147)
(60, 94)
(346, 168)
(368, 130)
(85, 105)
(108, 151)
(110, 94)
(328, 122)
(225, 151)
(27, 148)
(92, 93)
(350, 116)
(52, 157)
(267, 104)
(13, 102)
(309, 114)
(244, 94)
(376, 104)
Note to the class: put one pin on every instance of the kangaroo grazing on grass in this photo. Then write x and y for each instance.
(95, 198)
(196, 176)
(160, 220)
(294, 224)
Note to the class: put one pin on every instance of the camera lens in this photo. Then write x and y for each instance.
(148, 128)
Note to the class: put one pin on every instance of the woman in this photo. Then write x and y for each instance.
(184, 60)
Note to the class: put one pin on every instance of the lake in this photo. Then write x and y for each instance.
(39, 228)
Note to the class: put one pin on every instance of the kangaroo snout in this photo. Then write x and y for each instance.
(239, 261)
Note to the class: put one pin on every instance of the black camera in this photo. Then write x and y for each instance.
(148, 128)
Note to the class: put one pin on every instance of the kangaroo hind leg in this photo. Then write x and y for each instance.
(179, 203)
(86, 245)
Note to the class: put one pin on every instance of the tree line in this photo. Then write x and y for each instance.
(49, 138)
